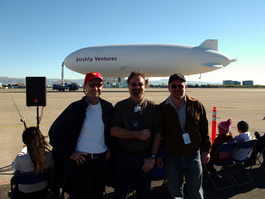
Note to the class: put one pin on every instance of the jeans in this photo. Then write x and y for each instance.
(189, 168)
(129, 172)
(90, 178)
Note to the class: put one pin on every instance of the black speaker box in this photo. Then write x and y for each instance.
(36, 91)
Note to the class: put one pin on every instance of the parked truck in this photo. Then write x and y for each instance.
(69, 87)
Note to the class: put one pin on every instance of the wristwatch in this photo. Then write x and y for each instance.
(153, 156)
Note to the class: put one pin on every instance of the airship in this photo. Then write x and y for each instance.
(156, 60)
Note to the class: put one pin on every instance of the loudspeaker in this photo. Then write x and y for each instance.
(36, 91)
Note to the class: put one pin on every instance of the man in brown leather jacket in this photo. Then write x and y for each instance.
(186, 140)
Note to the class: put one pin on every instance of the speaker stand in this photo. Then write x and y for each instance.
(38, 118)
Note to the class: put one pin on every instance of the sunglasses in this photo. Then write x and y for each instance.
(133, 84)
(92, 85)
(174, 86)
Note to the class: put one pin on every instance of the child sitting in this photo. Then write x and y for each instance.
(225, 135)
(244, 135)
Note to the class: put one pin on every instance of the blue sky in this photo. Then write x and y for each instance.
(37, 35)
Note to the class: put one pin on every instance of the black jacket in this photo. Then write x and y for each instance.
(66, 129)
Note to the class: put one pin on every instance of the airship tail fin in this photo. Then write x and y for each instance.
(210, 44)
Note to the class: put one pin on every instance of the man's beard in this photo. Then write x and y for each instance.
(137, 93)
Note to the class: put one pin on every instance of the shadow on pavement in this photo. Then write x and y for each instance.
(252, 190)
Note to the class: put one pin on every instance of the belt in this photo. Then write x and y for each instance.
(95, 155)
(134, 153)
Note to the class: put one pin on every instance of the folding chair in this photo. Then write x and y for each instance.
(221, 178)
(243, 149)
(28, 178)
(259, 151)
(7, 170)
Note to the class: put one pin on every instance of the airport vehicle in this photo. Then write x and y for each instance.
(70, 87)
(157, 60)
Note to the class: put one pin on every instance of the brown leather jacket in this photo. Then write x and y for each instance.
(196, 125)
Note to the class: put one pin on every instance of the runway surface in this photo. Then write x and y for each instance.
(235, 103)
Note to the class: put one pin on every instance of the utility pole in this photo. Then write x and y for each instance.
(62, 73)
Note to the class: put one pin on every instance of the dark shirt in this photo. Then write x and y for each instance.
(148, 118)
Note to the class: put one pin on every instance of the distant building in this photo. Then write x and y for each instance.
(231, 82)
(227, 82)
(248, 83)
(116, 84)
(110, 82)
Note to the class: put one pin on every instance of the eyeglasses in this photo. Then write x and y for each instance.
(174, 86)
(92, 85)
(133, 84)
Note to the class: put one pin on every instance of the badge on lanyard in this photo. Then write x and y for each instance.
(137, 109)
(186, 138)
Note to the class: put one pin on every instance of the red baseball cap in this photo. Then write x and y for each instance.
(93, 75)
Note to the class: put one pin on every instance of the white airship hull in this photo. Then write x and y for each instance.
(157, 60)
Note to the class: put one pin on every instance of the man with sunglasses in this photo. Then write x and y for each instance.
(81, 140)
(136, 125)
(186, 140)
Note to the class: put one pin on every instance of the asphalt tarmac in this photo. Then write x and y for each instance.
(235, 103)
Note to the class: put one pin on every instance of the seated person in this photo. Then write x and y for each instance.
(260, 144)
(35, 156)
(225, 135)
(259, 147)
(244, 135)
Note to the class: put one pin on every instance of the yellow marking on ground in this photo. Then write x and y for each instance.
(239, 109)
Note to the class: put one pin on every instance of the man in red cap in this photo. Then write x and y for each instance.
(81, 140)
